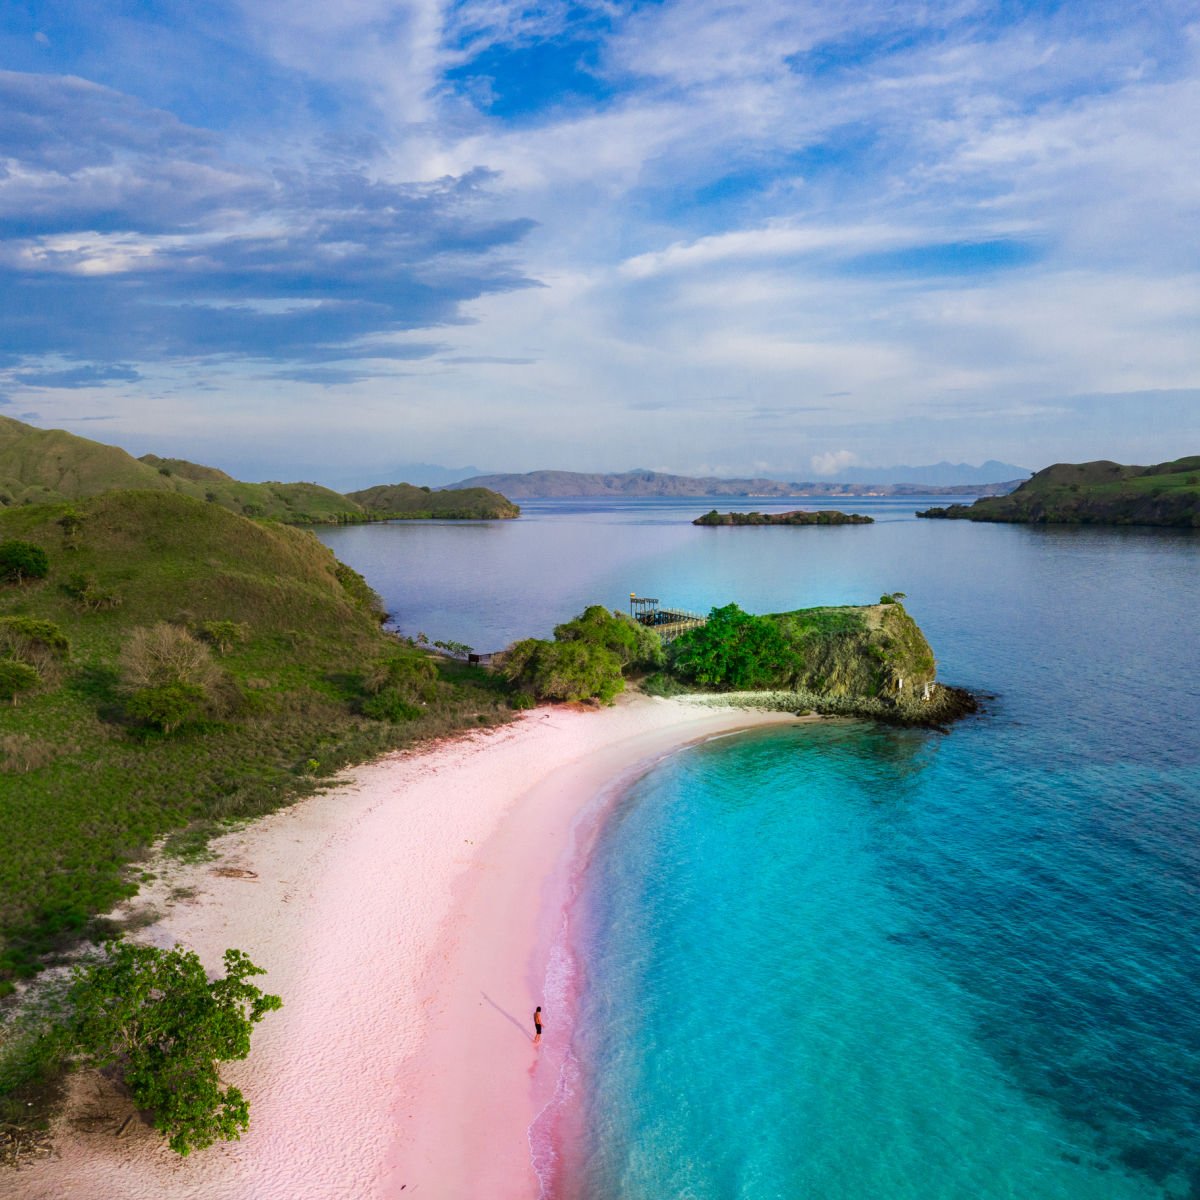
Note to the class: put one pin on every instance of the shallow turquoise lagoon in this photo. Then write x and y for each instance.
(846, 962)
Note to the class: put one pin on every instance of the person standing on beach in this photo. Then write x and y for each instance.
(537, 1024)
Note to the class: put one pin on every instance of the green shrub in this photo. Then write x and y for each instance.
(359, 591)
(20, 561)
(391, 705)
(571, 670)
(167, 705)
(734, 650)
(635, 645)
(454, 649)
(224, 635)
(155, 1015)
(71, 523)
(87, 592)
(41, 644)
(16, 677)
(408, 673)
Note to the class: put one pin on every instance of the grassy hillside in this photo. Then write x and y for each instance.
(1095, 493)
(302, 680)
(403, 500)
(47, 465)
(50, 466)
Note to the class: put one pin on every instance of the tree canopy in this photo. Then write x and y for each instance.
(734, 650)
(156, 1016)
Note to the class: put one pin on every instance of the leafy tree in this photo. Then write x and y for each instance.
(155, 1015)
(634, 644)
(16, 677)
(24, 636)
(20, 561)
(224, 635)
(168, 676)
(571, 670)
(734, 650)
(167, 705)
(456, 649)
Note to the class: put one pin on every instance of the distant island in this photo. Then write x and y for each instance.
(51, 466)
(1095, 493)
(795, 517)
(550, 485)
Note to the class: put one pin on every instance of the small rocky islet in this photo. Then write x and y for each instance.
(795, 517)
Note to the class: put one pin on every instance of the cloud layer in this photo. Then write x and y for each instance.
(817, 233)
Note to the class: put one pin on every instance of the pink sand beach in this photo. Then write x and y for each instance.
(407, 917)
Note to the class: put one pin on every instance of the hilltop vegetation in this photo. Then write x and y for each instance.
(1095, 493)
(188, 665)
(403, 500)
(797, 517)
(50, 466)
(867, 660)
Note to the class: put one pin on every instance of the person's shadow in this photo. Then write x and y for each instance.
(508, 1017)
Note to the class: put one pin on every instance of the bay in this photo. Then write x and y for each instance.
(850, 961)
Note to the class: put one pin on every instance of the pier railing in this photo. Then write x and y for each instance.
(669, 623)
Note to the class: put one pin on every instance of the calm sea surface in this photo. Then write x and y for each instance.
(857, 963)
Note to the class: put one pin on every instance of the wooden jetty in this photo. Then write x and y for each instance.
(668, 622)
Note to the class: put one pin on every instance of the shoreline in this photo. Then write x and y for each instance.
(407, 916)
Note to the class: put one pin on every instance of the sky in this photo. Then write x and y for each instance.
(300, 239)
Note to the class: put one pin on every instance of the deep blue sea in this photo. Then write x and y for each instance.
(847, 962)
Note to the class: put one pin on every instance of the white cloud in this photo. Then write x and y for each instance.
(833, 461)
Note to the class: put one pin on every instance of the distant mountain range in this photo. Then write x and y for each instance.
(551, 484)
(943, 474)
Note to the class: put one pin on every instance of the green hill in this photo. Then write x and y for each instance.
(48, 465)
(186, 470)
(403, 500)
(1095, 493)
(298, 679)
(865, 660)
(51, 466)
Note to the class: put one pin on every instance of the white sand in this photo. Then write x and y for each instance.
(405, 917)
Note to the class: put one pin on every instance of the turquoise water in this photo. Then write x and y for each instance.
(850, 963)
(846, 962)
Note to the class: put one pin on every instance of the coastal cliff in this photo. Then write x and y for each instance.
(1094, 493)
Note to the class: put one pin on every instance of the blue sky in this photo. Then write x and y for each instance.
(296, 239)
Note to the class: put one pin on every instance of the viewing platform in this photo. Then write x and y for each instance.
(668, 622)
